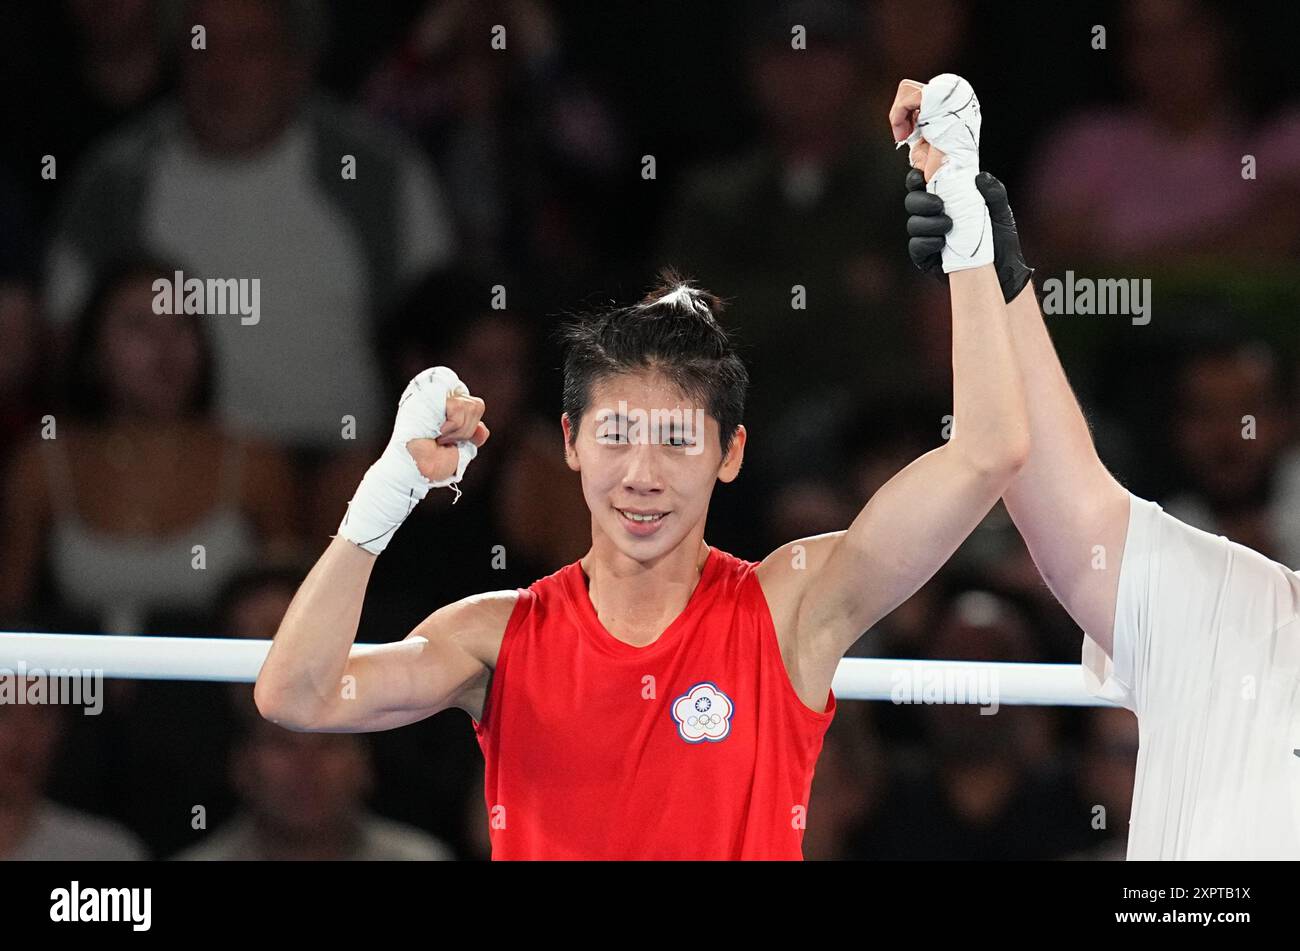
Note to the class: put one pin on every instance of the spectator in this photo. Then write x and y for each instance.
(812, 209)
(269, 767)
(247, 175)
(850, 786)
(530, 150)
(1234, 448)
(1159, 178)
(1105, 778)
(303, 798)
(138, 474)
(72, 70)
(33, 827)
(992, 786)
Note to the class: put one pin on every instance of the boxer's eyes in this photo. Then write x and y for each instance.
(675, 440)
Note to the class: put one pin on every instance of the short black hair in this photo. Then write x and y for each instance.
(673, 331)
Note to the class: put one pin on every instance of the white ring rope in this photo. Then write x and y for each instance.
(238, 660)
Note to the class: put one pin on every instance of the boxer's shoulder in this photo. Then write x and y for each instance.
(478, 623)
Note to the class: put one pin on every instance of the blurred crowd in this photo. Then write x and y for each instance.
(414, 185)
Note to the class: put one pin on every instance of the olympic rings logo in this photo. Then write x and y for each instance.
(705, 721)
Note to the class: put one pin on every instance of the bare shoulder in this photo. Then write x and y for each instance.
(475, 624)
(473, 627)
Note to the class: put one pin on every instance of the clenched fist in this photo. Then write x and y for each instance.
(437, 459)
(436, 435)
(902, 121)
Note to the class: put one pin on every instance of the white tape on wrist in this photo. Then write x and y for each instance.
(949, 121)
(970, 242)
(392, 486)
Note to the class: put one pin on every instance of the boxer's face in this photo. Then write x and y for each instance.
(644, 447)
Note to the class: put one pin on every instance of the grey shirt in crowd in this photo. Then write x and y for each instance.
(61, 834)
(380, 840)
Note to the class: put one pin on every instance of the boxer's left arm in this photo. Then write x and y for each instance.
(824, 597)
(826, 593)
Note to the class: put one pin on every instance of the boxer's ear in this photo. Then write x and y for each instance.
(570, 454)
(735, 457)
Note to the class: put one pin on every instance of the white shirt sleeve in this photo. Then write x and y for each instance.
(1192, 609)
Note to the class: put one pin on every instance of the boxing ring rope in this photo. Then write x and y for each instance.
(238, 660)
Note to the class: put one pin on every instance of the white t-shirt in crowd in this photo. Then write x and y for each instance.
(1207, 654)
(308, 361)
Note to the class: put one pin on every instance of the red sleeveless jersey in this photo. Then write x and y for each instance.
(693, 747)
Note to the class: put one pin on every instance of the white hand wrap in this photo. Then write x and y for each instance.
(393, 485)
(950, 121)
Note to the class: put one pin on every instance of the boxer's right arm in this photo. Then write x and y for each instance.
(315, 680)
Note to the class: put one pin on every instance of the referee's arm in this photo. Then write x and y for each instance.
(1071, 511)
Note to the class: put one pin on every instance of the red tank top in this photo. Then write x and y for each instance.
(693, 747)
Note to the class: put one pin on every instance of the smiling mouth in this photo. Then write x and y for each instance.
(646, 518)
